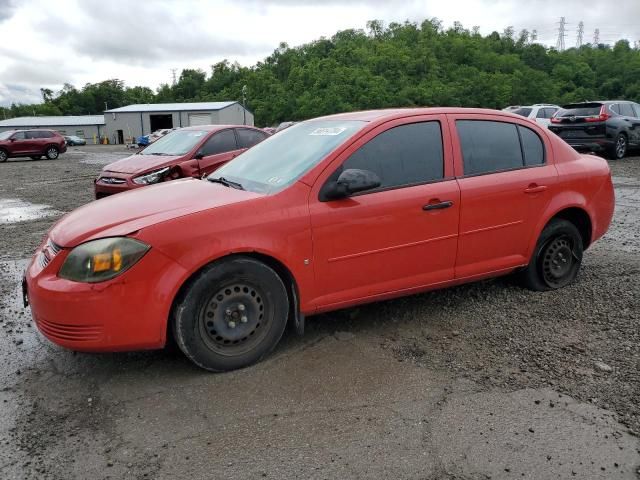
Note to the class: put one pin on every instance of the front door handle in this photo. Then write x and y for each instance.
(437, 206)
(535, 188)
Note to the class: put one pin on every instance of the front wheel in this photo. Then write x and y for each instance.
(557, 258)
(231, 315)
(619, 149)
(52, 153)
(3, 156)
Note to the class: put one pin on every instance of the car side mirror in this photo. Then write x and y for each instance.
(352, 180)
(199, 156)
(12, 139)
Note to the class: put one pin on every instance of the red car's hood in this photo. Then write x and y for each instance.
(141, 163)
(130, 211)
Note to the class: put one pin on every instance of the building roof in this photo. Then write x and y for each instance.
(60, 121)
(170, 107)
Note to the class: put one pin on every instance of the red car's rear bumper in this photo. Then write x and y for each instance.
(129, 312)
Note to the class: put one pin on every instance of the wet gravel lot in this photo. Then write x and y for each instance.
(480, 381)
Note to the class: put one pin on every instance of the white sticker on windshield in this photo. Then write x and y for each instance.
(328, 131)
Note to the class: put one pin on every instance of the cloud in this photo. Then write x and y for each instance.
(159, 32)
(6, 9)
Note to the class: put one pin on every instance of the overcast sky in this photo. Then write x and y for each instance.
(46, 43)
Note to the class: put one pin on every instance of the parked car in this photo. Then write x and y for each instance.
(31, 143)
(540, 112)
(187, 152)
(284, 125)
(73, 140)
(327, 214)
(612, 127)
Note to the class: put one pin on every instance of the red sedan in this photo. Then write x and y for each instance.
(329, 213)
(187, 152)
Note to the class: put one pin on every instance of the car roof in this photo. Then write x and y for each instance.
(214, 128)
(391, 113)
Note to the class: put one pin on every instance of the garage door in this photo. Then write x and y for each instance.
(199, 119)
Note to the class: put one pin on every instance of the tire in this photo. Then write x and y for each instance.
(36, 157)
(619, 148)
(52, 152)
(231, 315)
(556, 259)
(3, 155)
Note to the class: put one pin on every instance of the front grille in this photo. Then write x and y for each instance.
(65, 332)
(53, 247)
(112, 180)
(43, 260)
(49, 251)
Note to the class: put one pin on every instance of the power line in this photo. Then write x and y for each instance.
(580, 34)
(561, 34)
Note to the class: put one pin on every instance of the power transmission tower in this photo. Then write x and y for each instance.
(173, 75)
(596, 37)
(534, 36)
(561, 34)
(580, 34)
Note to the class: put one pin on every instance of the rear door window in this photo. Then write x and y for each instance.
(522, 111)
(626, 110)
(403, 155)
(32, 134)
(247, 138)
(615, 108)
(489, 146)
(532, 147)
(221, 142)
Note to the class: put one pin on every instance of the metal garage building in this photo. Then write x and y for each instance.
(84, 126)
(135, 120)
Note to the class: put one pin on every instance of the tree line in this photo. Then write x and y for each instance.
(399, 65)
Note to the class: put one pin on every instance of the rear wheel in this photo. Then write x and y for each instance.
(3, 155)
(557, 258)
(52, 152)
(619, 148)
(231, 315)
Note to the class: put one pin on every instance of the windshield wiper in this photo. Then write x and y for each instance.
(158, 153)
(226, 183)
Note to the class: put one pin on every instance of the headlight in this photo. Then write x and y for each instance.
(103, 259)
(152, 177)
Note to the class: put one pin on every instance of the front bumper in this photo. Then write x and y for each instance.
(129, 312)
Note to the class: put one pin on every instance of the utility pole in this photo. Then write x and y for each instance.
(580, 34)
(561, 34)
(106, 107)
(244, 104)
(173, 75)
(596, 37)
(534, 36)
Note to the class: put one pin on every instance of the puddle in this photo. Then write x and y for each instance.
(13, 210)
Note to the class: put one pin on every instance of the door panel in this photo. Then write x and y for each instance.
(385, 241)
(499, 210)
(400, 237)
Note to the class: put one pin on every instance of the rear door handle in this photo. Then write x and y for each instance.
(437, 206)
(534, 188)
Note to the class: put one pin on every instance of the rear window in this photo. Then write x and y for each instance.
(584, 110)
(522, 111)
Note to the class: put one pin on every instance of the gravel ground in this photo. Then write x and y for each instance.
(480, 381)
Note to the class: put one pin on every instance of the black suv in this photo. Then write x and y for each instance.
(609, 126)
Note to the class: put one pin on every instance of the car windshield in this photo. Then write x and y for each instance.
(282, 159)
(175, 143)
(581, 110)
(6, 135)
(522, 111)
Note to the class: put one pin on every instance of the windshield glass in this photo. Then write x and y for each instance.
(522, 111)
(6, 135)
(175, 143)
(281, 159)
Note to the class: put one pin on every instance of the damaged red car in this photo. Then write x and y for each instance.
(329, 213)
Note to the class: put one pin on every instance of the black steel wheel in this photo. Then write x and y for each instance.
(556, 259)
(231, 314)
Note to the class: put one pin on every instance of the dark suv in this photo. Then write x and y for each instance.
(31, 143)
(609, 126)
